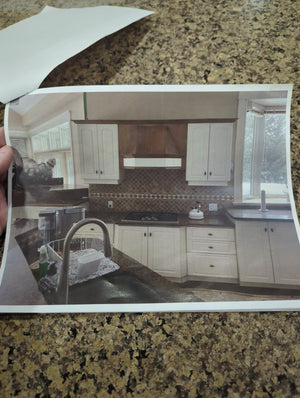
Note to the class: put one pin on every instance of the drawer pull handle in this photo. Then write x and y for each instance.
(211, 265)
(205, 173)
(210, 247)
(145, 234)
(92, 229)
(210, 234)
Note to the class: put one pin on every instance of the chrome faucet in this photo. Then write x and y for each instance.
(62, 292)
(263, 206)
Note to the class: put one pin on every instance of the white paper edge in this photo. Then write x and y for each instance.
(220, 306)
(25, 85)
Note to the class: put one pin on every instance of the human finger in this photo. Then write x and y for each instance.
(6, 155)
(2, 137)
(3, 209)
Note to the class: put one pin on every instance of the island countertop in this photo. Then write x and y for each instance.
(19, 286)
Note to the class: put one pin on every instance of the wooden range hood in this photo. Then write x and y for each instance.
(153, 145)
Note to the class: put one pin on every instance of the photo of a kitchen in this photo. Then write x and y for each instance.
(150, 196)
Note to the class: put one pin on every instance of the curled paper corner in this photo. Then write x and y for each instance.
(31, 49)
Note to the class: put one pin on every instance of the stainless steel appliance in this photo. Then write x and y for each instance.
(56, 221)
(151, 217)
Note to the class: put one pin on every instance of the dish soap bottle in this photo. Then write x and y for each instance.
(43, 261)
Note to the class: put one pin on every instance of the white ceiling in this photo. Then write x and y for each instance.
(24, 104)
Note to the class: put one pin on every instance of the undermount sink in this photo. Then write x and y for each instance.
(257, 214)
(117, 287)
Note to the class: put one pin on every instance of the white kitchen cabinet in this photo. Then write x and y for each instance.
(95, 231)
(159, 248)
(99, 153)
(209, 148)
(285, 252)
(268, 252)
(211, 253)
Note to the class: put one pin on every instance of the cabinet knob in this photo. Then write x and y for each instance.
(145, 234)
(205, 173)
(150, 234)
(210, 247)
(211, 265)
(266, 229)
(272, 230)
(210, 173)
(101, 172)
(96, 171)
(210, 234)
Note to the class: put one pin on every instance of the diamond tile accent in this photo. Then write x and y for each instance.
(156, 190)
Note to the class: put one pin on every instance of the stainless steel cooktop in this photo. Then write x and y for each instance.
(151, 217)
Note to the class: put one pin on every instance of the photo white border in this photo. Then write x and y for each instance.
(226, 306)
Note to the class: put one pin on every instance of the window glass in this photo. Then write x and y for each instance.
(264, 162)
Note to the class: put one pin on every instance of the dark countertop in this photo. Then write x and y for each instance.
(217, 220)
(167, 354)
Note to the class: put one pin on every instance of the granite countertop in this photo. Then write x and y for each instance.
(167, 354)
(217, 220)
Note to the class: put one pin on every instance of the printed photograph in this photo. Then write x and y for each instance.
(150, 195)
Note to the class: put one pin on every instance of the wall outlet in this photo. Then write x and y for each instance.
(213, 206)
(110, 204)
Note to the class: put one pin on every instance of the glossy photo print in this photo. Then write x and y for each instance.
(151, 198)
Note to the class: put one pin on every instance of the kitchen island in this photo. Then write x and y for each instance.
(132, 283)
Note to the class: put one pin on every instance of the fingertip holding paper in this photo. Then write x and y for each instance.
(31, 49)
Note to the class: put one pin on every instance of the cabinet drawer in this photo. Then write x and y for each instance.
(210, 233)
(212, 265)
(211, 246)
(94, 230)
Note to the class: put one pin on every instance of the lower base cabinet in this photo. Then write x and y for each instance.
(211, 253)
(159, 248)
(268, 252)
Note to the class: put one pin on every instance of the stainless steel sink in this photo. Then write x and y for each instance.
(117, 287)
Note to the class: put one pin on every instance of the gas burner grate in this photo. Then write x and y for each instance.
(153, 217)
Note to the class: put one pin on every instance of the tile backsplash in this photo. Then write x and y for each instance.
(156, 190)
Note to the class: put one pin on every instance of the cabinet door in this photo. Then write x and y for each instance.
(164, 251)
(285, 250)
(220, 143)
(253, 252)
(108, 151)
(95, 231)
(132, 241)
(197, 152)
(89, 151)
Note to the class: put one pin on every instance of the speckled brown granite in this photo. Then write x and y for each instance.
(167, 354)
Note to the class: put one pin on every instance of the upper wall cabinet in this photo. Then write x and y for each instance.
(99, 153)
(209, 148)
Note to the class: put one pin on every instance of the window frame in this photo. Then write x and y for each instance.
(245, 105)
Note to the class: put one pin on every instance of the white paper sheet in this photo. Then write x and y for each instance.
(32, 48)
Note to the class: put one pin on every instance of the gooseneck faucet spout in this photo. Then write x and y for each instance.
(263, 206)
(63, 288)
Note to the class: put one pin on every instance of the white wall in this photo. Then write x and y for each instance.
(161, 106)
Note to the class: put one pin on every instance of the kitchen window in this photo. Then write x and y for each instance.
(263, 163)
(53, 141)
